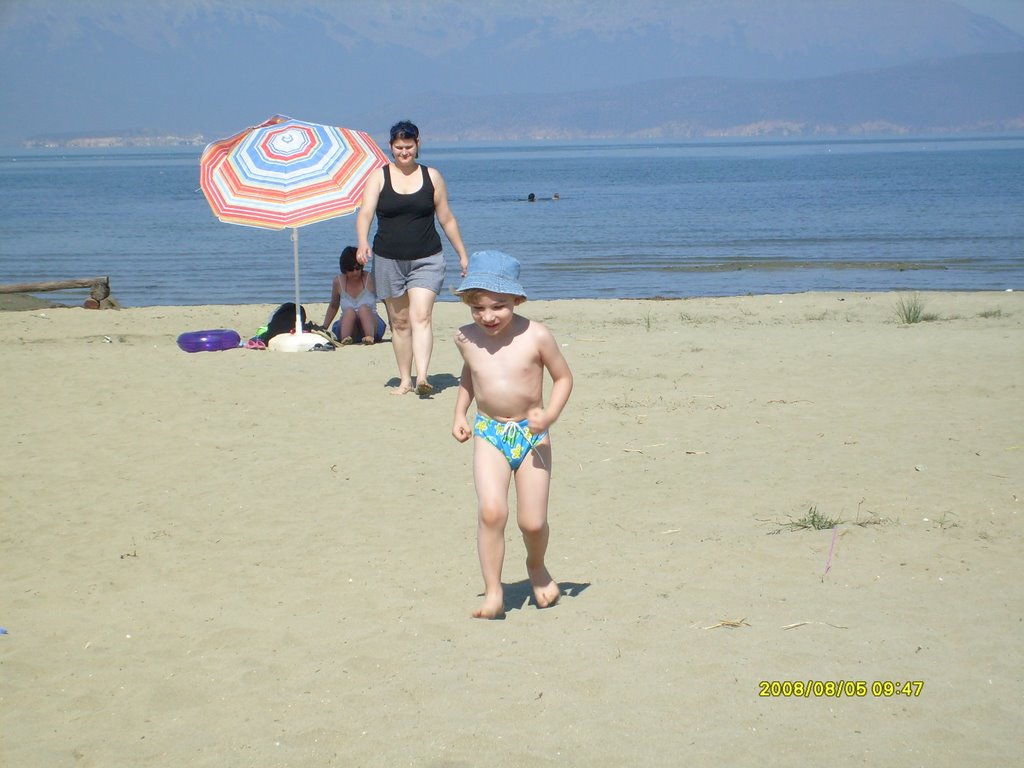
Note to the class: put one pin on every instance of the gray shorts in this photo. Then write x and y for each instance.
(394, 277)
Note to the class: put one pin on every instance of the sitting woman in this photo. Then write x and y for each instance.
(352, 290)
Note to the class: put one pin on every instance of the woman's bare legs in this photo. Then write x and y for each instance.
(401, 340)
(412, 336)
(421, 310)
(347, 325)
(491, 476)
(533, 481)
(368, 323)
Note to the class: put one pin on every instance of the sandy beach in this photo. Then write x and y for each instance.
(247, 558)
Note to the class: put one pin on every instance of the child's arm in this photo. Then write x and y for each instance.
(460, 425)
(332, 308)
(540, 419)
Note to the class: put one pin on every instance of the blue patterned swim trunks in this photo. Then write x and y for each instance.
(513, 438)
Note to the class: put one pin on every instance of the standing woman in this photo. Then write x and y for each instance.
(408, 263)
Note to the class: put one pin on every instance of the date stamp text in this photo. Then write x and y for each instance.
(839, 689)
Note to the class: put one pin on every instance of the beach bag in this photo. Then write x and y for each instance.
(282, 320)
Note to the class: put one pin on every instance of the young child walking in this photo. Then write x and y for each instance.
(505, 356)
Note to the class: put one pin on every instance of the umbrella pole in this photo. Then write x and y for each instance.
(298, 306)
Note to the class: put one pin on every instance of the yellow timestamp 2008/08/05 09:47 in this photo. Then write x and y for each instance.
(835, 689)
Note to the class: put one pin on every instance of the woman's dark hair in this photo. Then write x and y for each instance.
(404, 129)
(347, 260)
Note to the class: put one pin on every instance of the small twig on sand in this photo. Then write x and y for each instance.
(831, 550)
(641, 450)
(730, 623)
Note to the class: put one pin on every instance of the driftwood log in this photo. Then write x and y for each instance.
(99, 290)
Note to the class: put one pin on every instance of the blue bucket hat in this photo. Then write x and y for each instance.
(492, 271)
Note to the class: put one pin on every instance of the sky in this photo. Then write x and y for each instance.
(216, 66)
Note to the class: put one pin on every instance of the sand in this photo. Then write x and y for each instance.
(250, 558)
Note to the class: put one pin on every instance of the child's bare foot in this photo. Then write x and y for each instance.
(545, 589)
(493, 607)
(424, 389)
(404, 388)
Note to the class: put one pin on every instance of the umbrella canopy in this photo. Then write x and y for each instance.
(288, 173)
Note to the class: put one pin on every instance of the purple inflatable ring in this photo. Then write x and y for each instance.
(209, 341)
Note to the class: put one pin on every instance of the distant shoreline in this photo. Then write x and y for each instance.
(113, 140)
(22, 302)
(97, 141)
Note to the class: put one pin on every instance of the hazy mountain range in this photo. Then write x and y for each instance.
(982, 93)
(500, 69)
(971, 94)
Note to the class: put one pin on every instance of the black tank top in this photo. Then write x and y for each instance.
(405, 223)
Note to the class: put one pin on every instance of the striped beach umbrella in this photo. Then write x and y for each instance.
(288, 173)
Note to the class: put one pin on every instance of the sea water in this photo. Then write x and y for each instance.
(674, 219)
